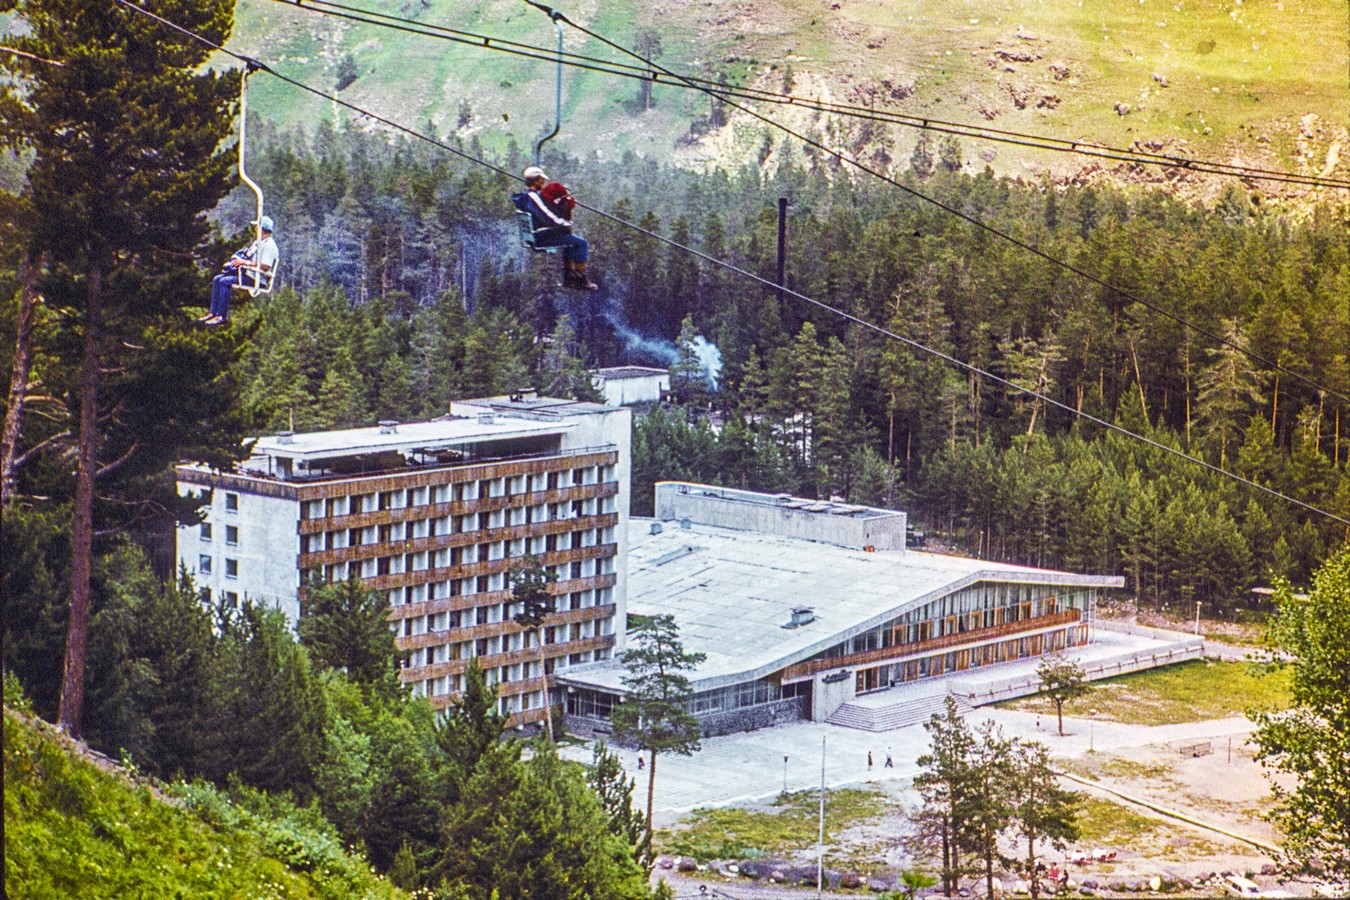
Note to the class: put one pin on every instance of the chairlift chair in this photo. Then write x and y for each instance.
(262, 281)
(529, 234)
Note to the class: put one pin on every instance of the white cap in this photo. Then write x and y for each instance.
(534, 172)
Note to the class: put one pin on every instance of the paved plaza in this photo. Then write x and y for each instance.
(757, 765)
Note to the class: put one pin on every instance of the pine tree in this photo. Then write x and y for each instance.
(1062, 680)
(1042, 810)
(689, 380)
(985, 807)
(472, 727)
(606, 778)
(943, 784)
(126, 133)
(654, 713)
(532, 597)
(345, 626)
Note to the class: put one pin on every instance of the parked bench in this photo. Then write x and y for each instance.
(1199, 748)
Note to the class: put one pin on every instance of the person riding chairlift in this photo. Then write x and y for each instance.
(550, 206)
(242, 270)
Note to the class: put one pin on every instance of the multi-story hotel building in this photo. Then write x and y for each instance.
(434, 515)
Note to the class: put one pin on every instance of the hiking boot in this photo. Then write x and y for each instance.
(574, 277)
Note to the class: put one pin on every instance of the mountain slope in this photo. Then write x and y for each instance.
(1264, 84)
(75, 829)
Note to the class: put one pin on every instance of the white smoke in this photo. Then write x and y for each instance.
(710, 357)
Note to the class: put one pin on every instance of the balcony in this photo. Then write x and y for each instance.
(965, 639)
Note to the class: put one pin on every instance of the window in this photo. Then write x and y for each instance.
(232, 502)
(206, 531)
(231, 534)
(204, 564)
(231, 568)
(232, 599)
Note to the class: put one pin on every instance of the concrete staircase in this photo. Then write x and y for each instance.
(892, 709)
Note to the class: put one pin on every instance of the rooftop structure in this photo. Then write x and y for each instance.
(831, 522)
(629, 385)
(434, 515)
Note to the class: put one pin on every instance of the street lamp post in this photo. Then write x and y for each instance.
(785, 759)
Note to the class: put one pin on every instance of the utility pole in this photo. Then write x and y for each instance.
(782, 249)
(1197, 617)
(820, 840)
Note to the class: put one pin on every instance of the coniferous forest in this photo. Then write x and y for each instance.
(1215, 329)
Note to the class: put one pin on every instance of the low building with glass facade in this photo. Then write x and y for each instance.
(795, 629)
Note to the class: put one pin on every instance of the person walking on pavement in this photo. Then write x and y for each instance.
(889, 763)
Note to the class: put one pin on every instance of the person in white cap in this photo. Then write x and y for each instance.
(259, 256)
(550, 206)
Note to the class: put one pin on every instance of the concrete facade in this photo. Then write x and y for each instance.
(434, 515)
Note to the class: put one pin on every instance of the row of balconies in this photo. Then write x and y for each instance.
(490, 567)
(496, 660)
(457, 507)
(402, 547)
(489, 598)
(493, 629)
(404, 479)
(375, 550)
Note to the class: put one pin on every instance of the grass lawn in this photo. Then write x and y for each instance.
(1186, 692)
(792, 824)
(1103, 823)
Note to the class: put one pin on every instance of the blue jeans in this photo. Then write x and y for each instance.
(221, 286)
(574, 246)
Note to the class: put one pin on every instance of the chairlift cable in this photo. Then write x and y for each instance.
(871, 326)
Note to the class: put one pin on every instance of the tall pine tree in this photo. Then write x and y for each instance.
(125, 135)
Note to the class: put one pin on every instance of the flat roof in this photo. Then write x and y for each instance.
(758, 499)
(405, 437)
(528, 405)
(731, 592)
(621, 372)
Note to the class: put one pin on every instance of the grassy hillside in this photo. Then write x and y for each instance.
(1232, 80)
(74, 830)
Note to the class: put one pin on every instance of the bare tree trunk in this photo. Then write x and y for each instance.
(1139, 381)
(651, 792)
(18, 378)
(1275, 407)
(1188, 392)
(543, 679)
(82, 517)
